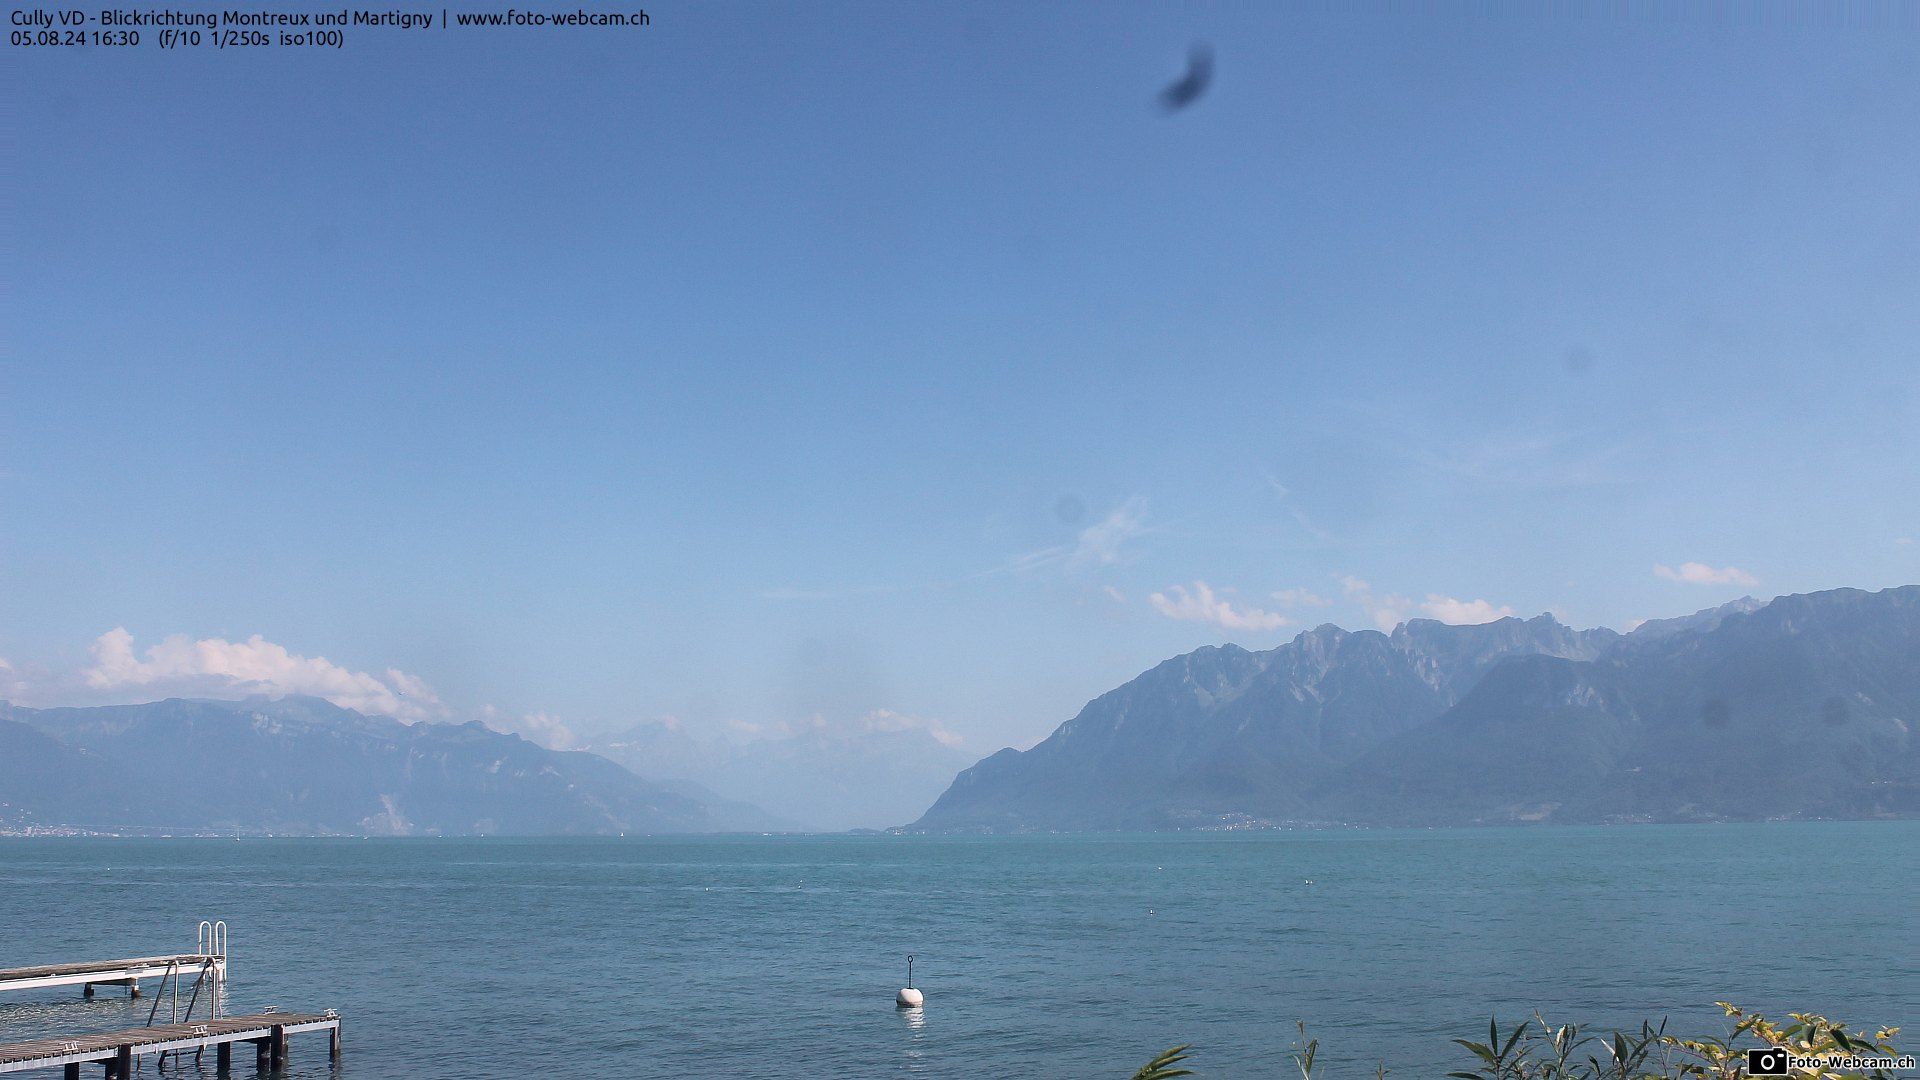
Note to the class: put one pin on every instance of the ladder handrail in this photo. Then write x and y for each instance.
(210, 940)
(164, 976)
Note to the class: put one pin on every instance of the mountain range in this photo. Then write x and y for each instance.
(1803, 706)
(1800, 707)
(300, 765)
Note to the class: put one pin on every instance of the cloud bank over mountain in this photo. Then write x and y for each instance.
(1697, 573)
(119, 672)
(179, 665)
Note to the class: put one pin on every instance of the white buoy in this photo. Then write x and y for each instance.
(908, 997)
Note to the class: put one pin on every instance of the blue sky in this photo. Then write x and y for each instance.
(781, 362)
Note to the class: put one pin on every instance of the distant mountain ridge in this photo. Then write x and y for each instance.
(1803, 706)
(1698, 621)
(824, 778)
(301, 765)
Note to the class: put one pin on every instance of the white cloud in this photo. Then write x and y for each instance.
(874, 721)
(179, 666)
(1114, 594)
(1201, 604)
(1904, 541)
(1282, 493)
(888, 720)
(1694, 573)
(11, 684)
(410, 686)
(1463, 612)
(544, 729)
(1300, 598)
(1100, 544)
(1387, 611)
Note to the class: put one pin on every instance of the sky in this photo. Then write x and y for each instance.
(792, 364)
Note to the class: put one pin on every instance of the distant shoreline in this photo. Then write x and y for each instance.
(64, 833)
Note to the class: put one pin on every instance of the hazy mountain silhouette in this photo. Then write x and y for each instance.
(1799, 707)
(302, 765)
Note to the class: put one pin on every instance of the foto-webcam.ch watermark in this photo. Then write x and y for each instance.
(1779, 1061)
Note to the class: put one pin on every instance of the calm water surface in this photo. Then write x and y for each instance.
(1043, 957)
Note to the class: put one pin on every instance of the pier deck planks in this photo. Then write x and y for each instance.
(102, 971)
(44, 1053)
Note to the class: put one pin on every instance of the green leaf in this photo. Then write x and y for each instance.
(1162, 1066)
(1479, 1050)
(1513, 1038)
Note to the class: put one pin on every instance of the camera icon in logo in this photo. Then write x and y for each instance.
(1767, 1061)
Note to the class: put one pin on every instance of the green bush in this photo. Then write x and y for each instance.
(1537, 1050)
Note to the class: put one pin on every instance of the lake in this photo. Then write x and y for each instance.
(1039, 956)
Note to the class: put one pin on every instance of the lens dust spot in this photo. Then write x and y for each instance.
(1070, 510)
(1715, 714)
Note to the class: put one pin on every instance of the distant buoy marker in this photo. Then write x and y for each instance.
(908, 997)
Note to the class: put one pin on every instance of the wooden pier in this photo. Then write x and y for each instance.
(126, 972)
(118, 1050)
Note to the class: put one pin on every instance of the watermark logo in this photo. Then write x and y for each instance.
(1779, 1061)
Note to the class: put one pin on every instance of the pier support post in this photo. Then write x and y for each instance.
(260, 1061)
(123, 1061)
(333, 1044)
(133, 987)
(223, 1058)
(72, 1071)
(277, 1039)
(86, 990)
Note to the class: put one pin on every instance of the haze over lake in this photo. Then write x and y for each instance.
(1040, 956)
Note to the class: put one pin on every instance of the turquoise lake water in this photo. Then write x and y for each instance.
(1039, 956)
